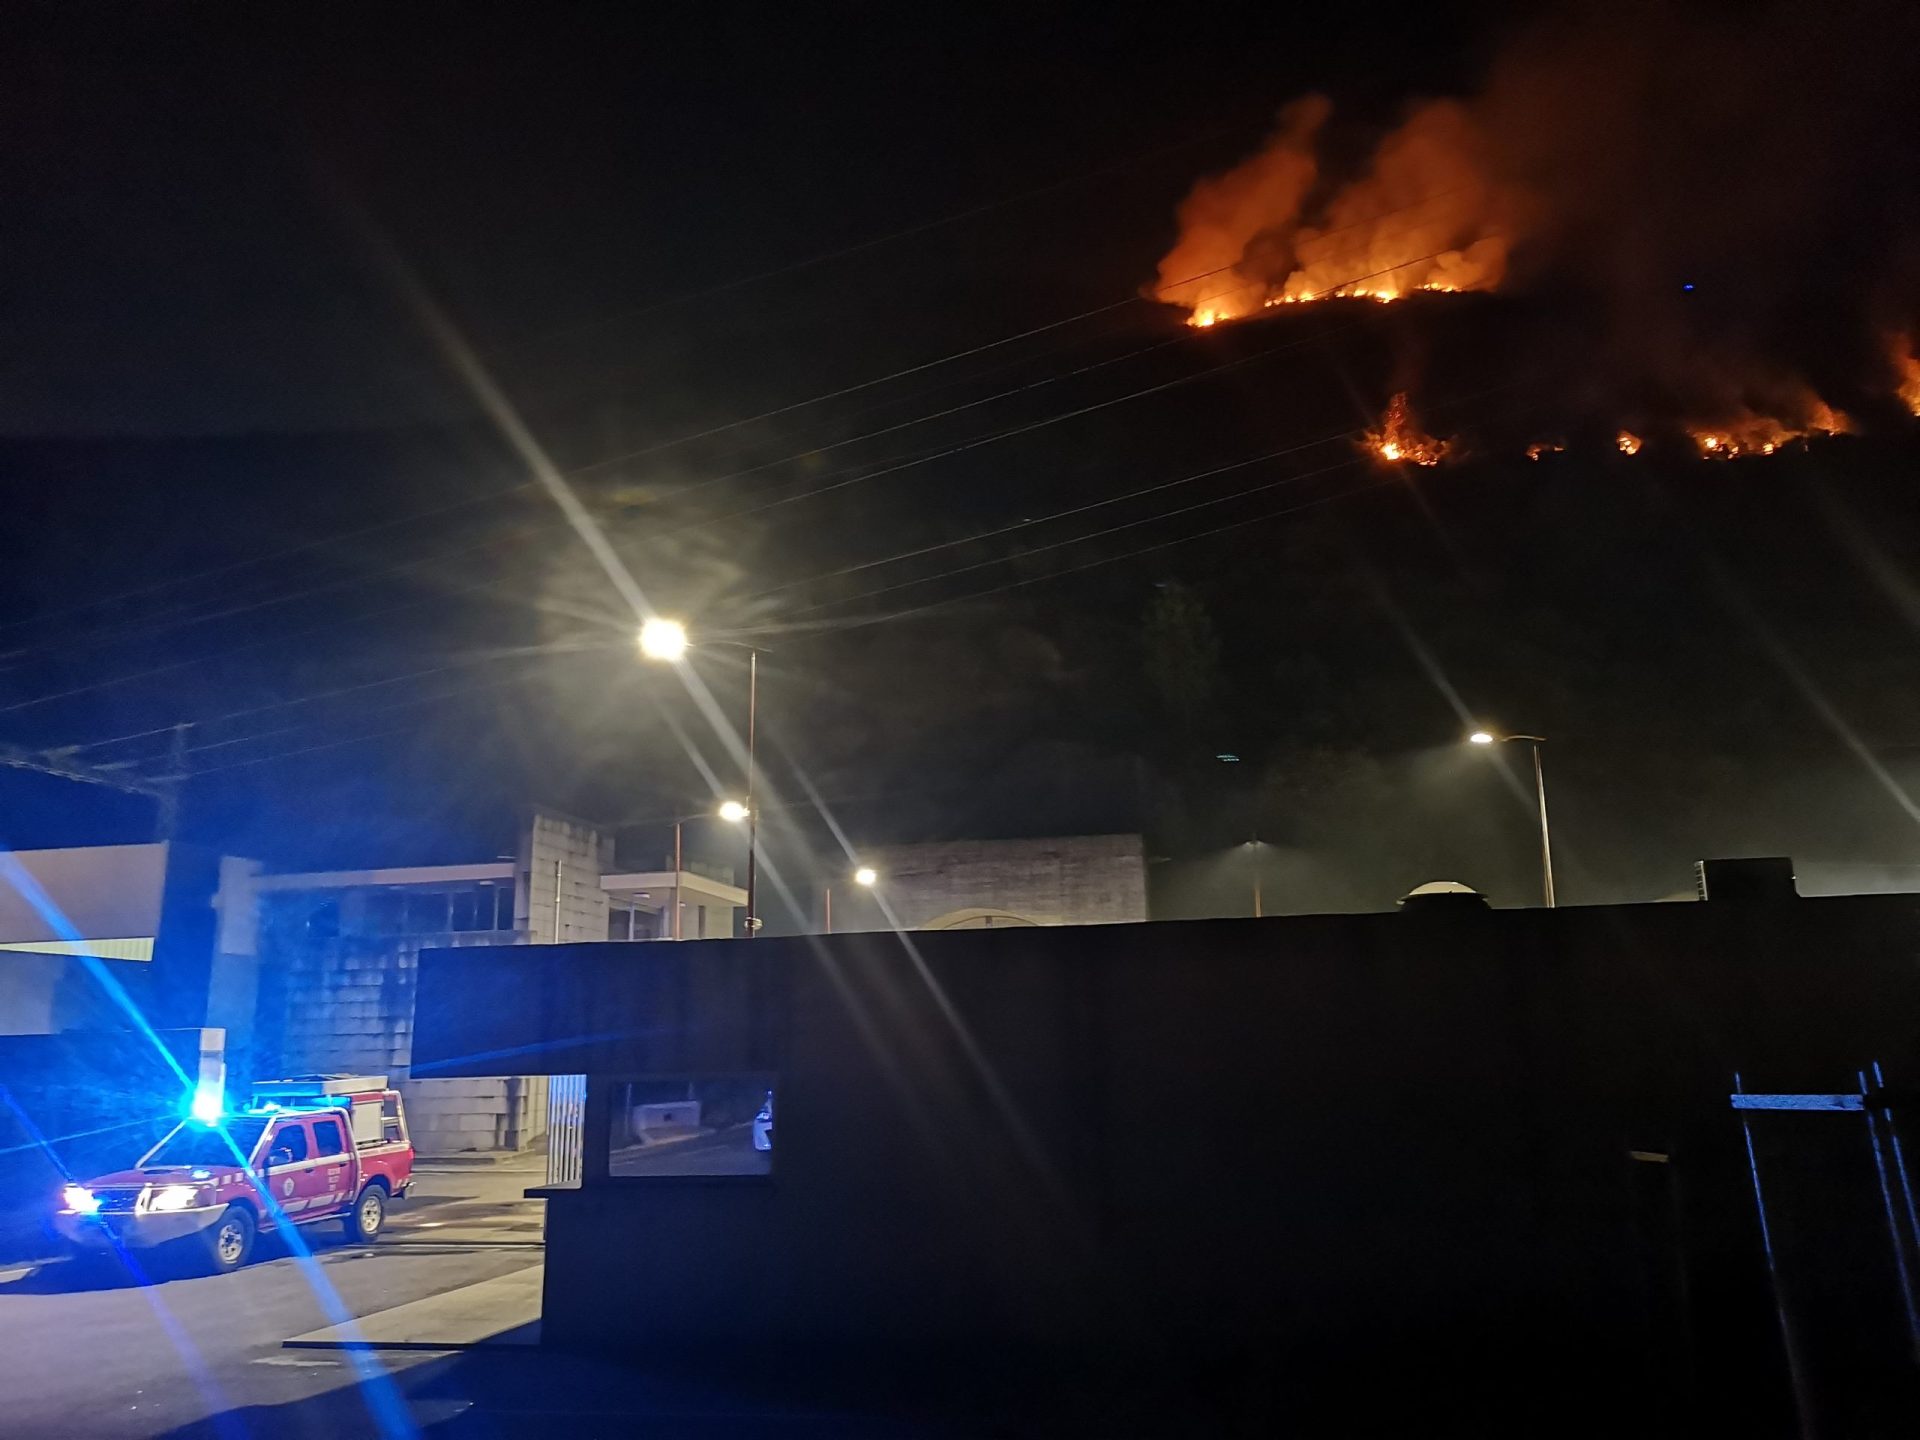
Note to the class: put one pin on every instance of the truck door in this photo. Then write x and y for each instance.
(295, 1177)
(334, 1162)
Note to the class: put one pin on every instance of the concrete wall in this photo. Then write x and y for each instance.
(561, 863)
(345, 1004)
(348, 1008)
(1067, 880)
(142, 920)
(1323, 1150)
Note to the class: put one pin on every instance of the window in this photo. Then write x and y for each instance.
(293, 1140)
(197, 1144)
(715, 1125)
(327, 1139)
(469, 908)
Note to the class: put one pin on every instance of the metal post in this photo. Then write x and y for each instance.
(753, 809)
(829, 894)
(1796, 1368)
(675, 932)
(1900, 1265)
(1254, 849)
(556, 902)
(1546, 841)
(168, 820)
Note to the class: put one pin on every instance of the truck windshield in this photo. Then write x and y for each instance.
(194, 1144)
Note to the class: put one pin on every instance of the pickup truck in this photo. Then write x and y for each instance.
(318, 1157)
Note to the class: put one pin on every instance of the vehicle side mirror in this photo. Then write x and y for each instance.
(279, 1157)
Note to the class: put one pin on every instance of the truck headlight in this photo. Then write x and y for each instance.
(173, 1197)
(80, 1200)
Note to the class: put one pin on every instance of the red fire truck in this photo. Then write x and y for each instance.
(305, 1150)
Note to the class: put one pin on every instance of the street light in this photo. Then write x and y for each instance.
(864, 876)
(667, 640)
(733, 812)
(1484, 737)
(663, 639)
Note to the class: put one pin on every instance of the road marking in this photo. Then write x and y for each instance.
(298, 1364)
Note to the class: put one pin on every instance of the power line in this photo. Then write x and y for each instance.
(810, 493)
(1094, 564)
(527, 486)
(1158, 517)
(303, 750)
(1153, 518)
(864, 475)
(1350, 433)
(1021, 583)
(793, 267)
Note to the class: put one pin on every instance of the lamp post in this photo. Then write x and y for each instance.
(731, 811)
(865, 877)
(666, 640)
(1484, 737)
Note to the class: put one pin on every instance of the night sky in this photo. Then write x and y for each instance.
(247, 489)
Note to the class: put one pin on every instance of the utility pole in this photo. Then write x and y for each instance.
(167, 823)
(120, 775)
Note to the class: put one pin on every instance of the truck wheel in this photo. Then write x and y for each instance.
(230, 1240)
(368, 1215)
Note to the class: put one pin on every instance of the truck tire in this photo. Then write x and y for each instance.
(230, 1240)
(368, 1215)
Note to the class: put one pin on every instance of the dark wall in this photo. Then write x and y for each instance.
(1218, 1143)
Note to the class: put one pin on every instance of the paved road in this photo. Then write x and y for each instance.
(724, 1152)
(103, 1356)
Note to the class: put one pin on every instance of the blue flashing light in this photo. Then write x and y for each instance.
(200, 1175)
(209, 1104)
(80, 1200)
(1688, 287)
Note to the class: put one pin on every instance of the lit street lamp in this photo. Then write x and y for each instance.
(733, 812)
(662, 639)
(667, 640)
(865, 876)
(1483, 737)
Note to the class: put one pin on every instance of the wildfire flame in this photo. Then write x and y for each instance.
(1544, 447)
(1400, 440)
(1627, 442)
(1755, 434)
(1424, 216)
(1214, 311)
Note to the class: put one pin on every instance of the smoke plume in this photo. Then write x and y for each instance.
(1732, 194)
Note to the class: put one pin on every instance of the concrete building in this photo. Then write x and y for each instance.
(339, 953)
(1453, 1168)
(313, 972)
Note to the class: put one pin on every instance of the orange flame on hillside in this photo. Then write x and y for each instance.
(1545, 447)
(1754, 434)
(1400, 440)
(1423, 217)
(1628, 443)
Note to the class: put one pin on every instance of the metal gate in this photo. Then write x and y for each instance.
(566, 1122)
(1840, 1232)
